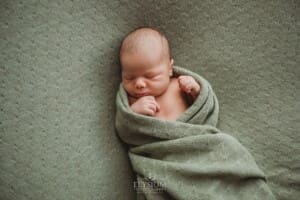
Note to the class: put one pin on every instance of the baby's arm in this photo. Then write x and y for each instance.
(146, 105)
(189, 85)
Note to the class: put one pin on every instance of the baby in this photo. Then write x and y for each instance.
(147, 76)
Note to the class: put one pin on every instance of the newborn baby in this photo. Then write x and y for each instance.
(147, 76)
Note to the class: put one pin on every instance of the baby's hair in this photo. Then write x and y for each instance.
(130, 42)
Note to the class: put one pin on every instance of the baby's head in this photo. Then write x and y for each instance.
(146, 63)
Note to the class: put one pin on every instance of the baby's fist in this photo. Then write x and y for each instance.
(146, 105)
(189, 85)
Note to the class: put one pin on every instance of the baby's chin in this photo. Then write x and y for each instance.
(137, 96)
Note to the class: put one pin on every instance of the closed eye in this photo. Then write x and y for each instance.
(151, 76)
(129, 77)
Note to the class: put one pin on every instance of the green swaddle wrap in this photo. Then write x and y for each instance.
(188, 158)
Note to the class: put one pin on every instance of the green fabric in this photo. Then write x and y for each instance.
(188, 158)
(59, 75)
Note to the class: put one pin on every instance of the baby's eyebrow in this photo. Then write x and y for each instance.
(155, 71)
(127, 71)
(127, 74)
(151, 72)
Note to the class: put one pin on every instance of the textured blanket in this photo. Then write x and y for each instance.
(188, 158)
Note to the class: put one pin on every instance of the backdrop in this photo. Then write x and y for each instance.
(59, 73)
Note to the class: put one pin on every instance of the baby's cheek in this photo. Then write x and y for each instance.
(127, 87)
(153, 87)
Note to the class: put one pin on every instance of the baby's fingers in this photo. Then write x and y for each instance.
(187, 87)
(149, 112)
(183, 79)
(151, 109)
(153, 105)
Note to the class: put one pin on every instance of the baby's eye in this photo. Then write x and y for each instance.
(129, 77)
(150, 76)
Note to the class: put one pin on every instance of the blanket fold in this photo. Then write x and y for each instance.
(188, 158)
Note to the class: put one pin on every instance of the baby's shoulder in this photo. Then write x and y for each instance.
(176, 92)
(174, 81)
(174, 85)
(172, 102)
(173, 90)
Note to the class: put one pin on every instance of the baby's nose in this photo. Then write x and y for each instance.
(140, 83)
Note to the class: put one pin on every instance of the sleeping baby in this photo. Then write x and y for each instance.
(147, 76)
(184, 154)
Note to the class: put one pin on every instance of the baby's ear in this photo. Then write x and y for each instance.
(171, 62)
(171, 67)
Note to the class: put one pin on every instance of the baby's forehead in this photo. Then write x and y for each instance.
(142, 39)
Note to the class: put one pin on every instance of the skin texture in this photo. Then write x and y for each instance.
(147, 76)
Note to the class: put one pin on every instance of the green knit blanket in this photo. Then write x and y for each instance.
(188, 158)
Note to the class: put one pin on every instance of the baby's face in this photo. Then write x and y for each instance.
(146, 73)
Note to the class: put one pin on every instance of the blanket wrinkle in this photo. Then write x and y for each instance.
(190, 158)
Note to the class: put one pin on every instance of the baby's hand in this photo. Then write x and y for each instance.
(189, 85)
(146, 106)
